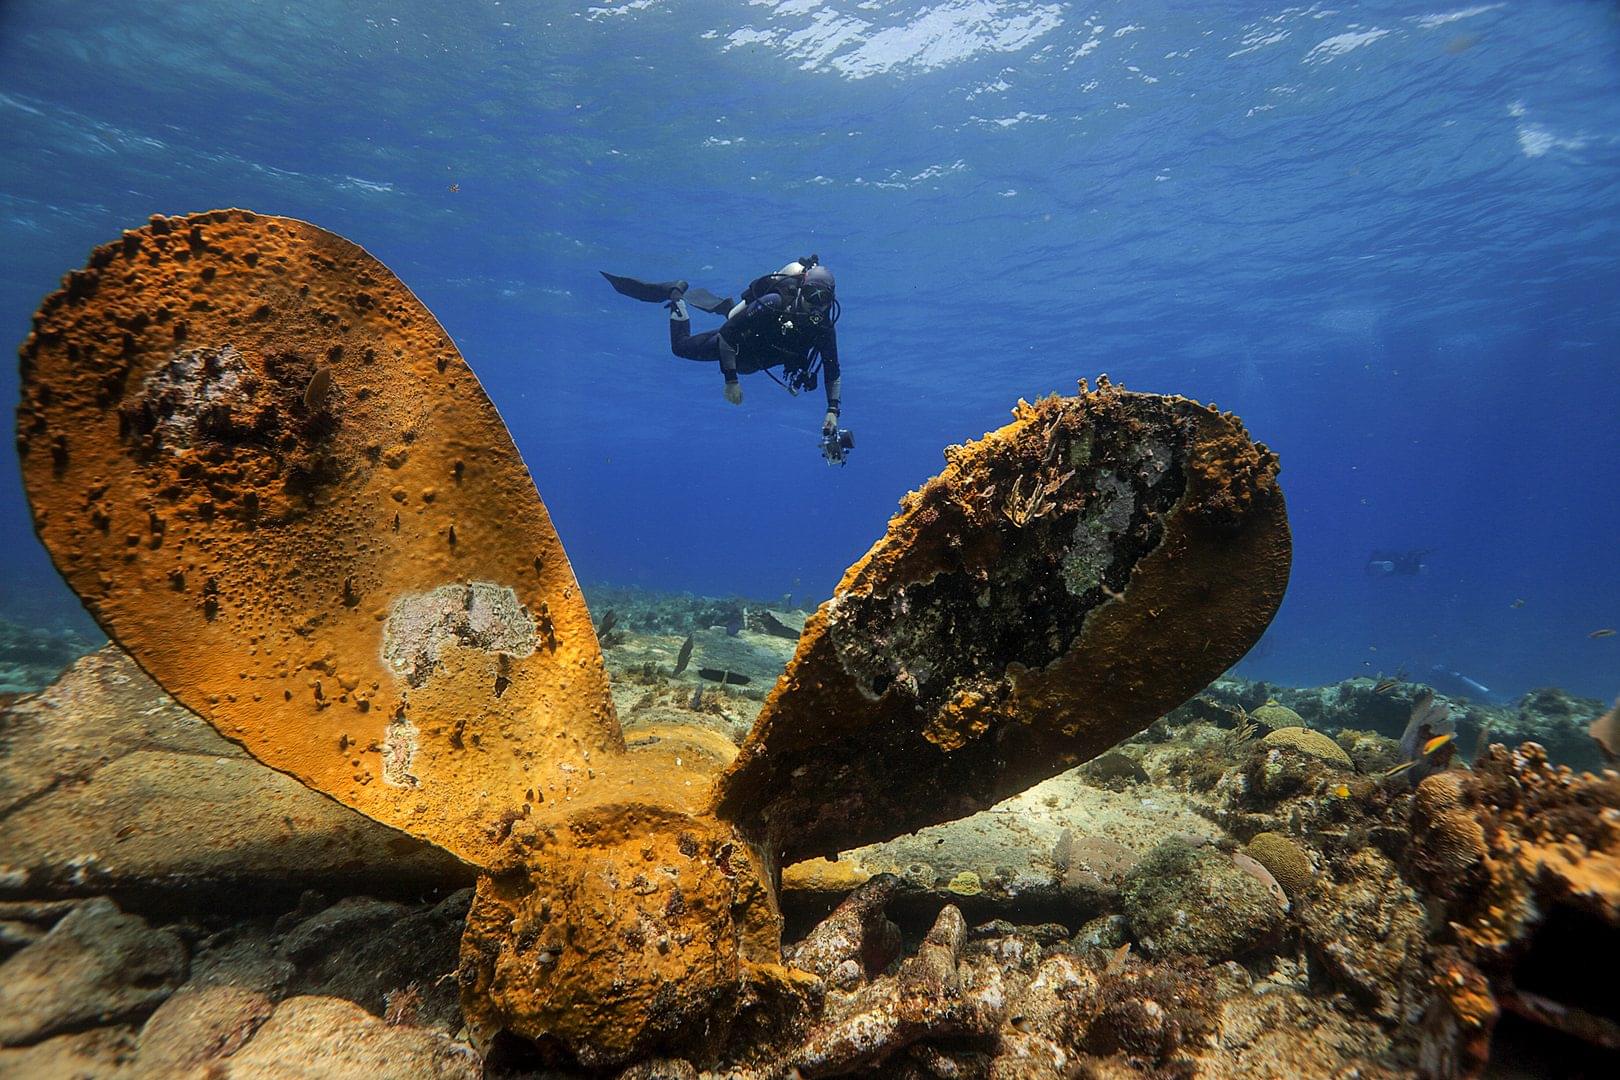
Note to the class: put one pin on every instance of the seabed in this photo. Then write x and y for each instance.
(1207, 899)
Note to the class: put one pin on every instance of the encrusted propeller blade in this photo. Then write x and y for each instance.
(272, 478)
(1064, 582)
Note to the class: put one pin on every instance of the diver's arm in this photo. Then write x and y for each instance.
(832, 377)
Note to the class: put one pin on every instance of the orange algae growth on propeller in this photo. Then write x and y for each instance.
(271, 476)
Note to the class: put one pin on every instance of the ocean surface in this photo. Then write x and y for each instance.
(1387, 235)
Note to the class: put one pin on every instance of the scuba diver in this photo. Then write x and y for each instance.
(786, 318)
(1401, 563)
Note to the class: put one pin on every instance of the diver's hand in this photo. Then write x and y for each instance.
(734, 392)
(830, 424)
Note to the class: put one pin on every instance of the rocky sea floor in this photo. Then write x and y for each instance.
(1239, 891)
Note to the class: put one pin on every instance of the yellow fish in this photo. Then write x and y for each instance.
(1342, 791)
(1437, 742)
(1397, 770)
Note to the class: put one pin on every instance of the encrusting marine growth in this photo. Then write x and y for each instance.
(273, 479)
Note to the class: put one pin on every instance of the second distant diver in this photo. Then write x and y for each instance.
(1398, 563)
(786, 319)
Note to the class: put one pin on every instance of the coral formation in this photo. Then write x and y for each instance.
(1307, 741)
(1366, 930)
(1286, 861)
(1272, 716)
(1183, 900)
(1527, 857)
(273, 479)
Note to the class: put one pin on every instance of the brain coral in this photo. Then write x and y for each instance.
(1273, 716)
(1285, 859)
(1314, 743)
(1450, 839)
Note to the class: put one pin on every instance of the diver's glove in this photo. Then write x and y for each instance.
(734, 392)
(830, 423)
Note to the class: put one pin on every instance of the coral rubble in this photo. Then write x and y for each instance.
(1526, 856)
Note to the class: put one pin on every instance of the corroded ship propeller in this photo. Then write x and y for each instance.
(272, 478)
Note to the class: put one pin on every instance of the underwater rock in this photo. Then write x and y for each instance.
(196, 1027)
(97, 966)
(107, 783)
(32, 656)
(1187, 901)
(98, 1053)
(853, 943)
(1549, 716)
(1370, 752)
(350, 574)
(1017, 850)
(1035, 1040)
(1558, 721)
(782, 624)
(1093, 869)
(1365, 927)
(244, 957)
(927, 998)
(349, 1043)
(353, 950)
(1159, 1014)
(1527, 947)
(1114, 770)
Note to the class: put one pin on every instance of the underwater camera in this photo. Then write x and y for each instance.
(836, 445)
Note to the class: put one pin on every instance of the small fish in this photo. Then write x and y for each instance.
(1116, 960)
(735, 678)
(320, 387)
(609, 620)
(1271, 701)
(454, 188)
(684, 657)
(1398, 769)
(1437, 742)
(1607, 631)
(1517, 603)
(697, 698)
(1386, 684)
(1342, 791)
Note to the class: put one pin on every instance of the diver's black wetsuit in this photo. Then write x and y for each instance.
(764, 335)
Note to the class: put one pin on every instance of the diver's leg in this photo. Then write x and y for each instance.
(684, 343)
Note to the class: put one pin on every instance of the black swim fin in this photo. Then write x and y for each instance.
(658, 292)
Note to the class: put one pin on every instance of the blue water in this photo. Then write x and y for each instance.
(1386, 234)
